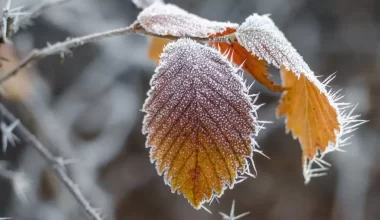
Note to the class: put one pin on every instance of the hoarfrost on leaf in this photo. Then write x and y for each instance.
(200, 121)
(169, 19)
(317, 119)
(259, 35)
(313, 114)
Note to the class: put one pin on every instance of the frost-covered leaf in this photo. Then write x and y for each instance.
(260, 36)
(250, 63)
(315, 118)
(199, 120)
(313, 114)
(169, 19)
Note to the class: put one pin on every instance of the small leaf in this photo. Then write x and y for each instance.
(260, 36)
(250, 63)
(156, 47)
(168, 19)
(313, 116)
(199, 120)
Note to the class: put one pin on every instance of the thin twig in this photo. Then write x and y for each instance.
(62, 47)
(56, 164)
(13, 18)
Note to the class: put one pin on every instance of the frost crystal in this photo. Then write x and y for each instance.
(232, 214)
(7, 134)
(168, 19)
(259, 35)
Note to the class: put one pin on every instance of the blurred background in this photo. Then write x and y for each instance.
(87, 106)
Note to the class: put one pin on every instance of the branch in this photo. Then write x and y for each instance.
(55, 163)
(13, 18)
(62, 47)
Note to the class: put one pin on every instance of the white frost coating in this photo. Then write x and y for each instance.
(145, 3)
(259, 35)
(197, 97)
(168, 19)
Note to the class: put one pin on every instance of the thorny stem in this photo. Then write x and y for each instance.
(56, 164)
(62, 47)
(13, 18)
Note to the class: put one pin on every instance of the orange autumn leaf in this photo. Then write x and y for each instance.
(310, 115)
(168, 19)
(250, 63)
(253, 45)
(156, 46)
(199, 120)
(314, 115)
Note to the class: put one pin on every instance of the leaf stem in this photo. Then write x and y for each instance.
(62, 47)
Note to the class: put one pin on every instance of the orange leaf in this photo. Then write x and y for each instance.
(310, 115)
(199, 121)
(313, 114)
(250, 63)
(156, 47)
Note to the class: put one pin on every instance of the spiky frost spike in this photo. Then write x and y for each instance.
(7, 134)
(232, 214)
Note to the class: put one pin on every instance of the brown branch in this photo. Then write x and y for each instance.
(55, 163)
(62, 47)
